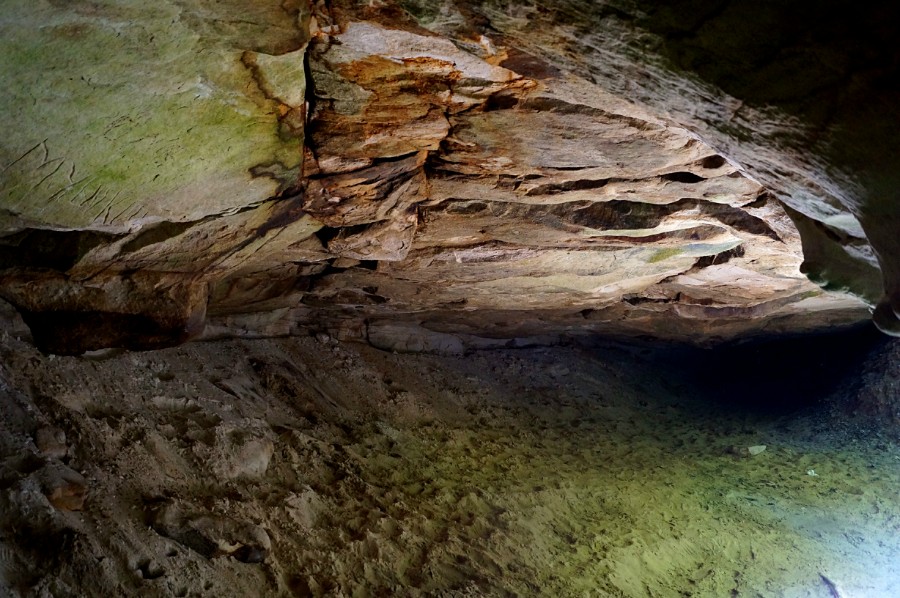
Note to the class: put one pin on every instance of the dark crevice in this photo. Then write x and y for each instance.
(327, 271)
(326, 234)
(713, 162)
(639, 299)
(760, 202)
(158, 233)
(610, 215)
(576, 185)
(528, 65)
(500, 101)
(50, 249)
(74, 332)
(799, 369)
(682, 177)
(350, 231)
(739, 219)
(309, 96)
(719, 258)
(616, 215)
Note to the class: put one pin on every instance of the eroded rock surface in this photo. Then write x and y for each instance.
(401, 172)
(806, 106)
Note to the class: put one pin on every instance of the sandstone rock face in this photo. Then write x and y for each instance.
(418, 174)
(806, 106)
(120, 115)
(128, 127)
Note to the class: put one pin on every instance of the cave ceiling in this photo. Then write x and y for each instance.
(438, 175)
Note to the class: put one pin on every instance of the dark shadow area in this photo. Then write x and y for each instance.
(805, 56)
(777, 375)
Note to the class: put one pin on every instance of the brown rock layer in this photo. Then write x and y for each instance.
(473, 170)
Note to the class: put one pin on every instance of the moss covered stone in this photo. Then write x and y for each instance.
(120, 112)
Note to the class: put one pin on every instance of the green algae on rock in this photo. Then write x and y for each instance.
(121, 112)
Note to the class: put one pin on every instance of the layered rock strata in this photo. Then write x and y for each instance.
(415, 175)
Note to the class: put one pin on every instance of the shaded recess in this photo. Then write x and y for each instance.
(73, 333)
(54, 250)
(775, 375)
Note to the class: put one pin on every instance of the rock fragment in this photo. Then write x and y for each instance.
(746, 451)
(211, 535)
(244, 458)
(51, 442)
(63, 487)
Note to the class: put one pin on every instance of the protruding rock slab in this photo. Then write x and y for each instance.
(148, 152)
(138, 311)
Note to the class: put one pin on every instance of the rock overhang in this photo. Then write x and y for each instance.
(454, 181)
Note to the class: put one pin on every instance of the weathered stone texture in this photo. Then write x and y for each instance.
(494, 169)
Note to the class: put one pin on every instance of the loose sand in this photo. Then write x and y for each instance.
(531, 472)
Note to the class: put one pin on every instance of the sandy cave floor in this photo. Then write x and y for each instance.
(530, 472)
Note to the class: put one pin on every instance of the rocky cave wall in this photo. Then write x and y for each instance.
(441, 175)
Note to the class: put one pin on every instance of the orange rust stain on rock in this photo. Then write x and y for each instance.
(384, 77)
(407, 105)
